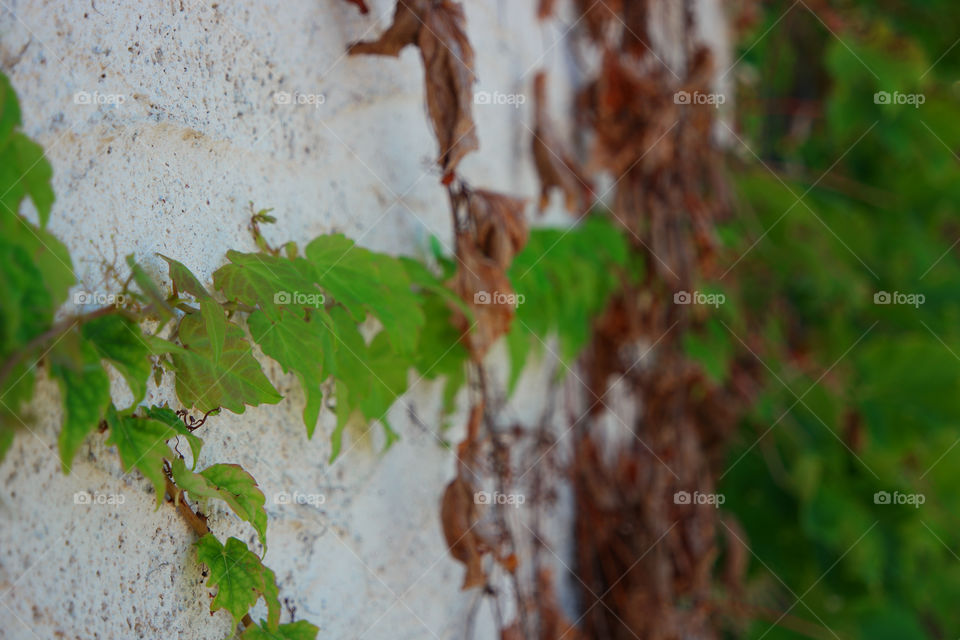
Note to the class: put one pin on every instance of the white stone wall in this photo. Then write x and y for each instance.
(172, 169)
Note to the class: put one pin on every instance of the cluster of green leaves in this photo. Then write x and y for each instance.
(881, 219)
(565, 278)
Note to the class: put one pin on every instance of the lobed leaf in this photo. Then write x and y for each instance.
(231, 382)
(230, 483)
(120, 341)
(240, 578)
(142, 443)
(85, 389)
(299, 630)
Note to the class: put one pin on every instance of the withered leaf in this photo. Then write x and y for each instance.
(458, 514)
(483, 285)
(501, 228)
(555, 165)
(484, 254)
(437, 28)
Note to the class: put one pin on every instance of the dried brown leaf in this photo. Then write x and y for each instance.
(483, 285)
(501, 228)
(458, 514)
(437, 28)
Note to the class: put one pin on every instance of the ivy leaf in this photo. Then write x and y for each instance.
(260, 280)
(28, 174)
(120, 341)
(142, 443)
(299, 630)
(215, 322)
(16, 391)
(170, 418)
(352, 374)
(28, 307)
(51, 258)
(6, 439)
(206, 383)
(387, 371)
(85, 388)
(230, 483)
(440, 351)
(303, 344)
(361, 280)
(184, 280)
(240, 578)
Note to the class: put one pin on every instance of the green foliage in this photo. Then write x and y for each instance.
(362, 281)
(85, 388)
(207, 379)
(35, 274)
(119, 340)
(880, 216)
(299, 630)
(230, 483)
(566, 277)
(169, 417)
(241, 579)
(142, 444)
(303, 343)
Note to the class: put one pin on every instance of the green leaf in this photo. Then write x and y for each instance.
(16, 391)
(206, 383)
(6, 439)
(362, 280)
(51, 258)
(352, 374)
(265, 281)
(184, 280)
(303, 343)
(230, 483)
(299, 630)
(85, 388)
(215, 322)
(28, 308)
(142, 443)
(120, 341)
(240, 578)
(35, 174)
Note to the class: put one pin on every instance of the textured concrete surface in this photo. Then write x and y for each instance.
(181, 132)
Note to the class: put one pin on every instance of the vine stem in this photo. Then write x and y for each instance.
(197, 522)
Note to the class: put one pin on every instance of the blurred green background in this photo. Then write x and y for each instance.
(847, 195)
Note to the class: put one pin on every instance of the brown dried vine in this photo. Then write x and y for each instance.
(647, 560)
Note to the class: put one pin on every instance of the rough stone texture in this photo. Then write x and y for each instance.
(172, 169)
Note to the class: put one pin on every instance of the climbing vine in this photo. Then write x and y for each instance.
(347, 322)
